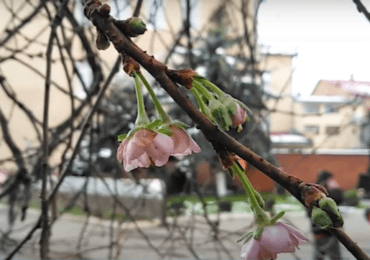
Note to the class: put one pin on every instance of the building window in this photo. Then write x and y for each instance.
(313, 129)
(311, 108)
(332, 130)
(330, 108)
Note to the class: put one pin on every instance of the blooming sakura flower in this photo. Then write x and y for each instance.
(145, 148)
(183, 143)
(239, 118)
(275, 239)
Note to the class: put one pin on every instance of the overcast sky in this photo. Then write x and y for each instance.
(331, 37)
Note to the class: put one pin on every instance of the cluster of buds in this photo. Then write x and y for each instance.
(325, 213)
(131, 27)
(270, 236)
(220, 108)
(151, 143)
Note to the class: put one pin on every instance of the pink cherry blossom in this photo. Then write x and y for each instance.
(275, 239)
(239, 118)
(145, 148)
(183, 143)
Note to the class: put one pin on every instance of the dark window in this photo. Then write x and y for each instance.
(313, 129)
(332, 130)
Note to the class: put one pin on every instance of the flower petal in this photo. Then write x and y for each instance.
(180, 139)
(144, 137)
(160, 150)
(143, 161)
(276, 239)
(250, 250)
(120, 150)
(133, 151)
(183, 143)
(293, 231)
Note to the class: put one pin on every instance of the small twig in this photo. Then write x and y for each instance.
(362, 9)
(24, 22)
(129, 215)
(28, 237)
(84, 127)
(45, 233)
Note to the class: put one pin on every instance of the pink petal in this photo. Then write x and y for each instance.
(144, 137)
(194, 146)
(143, 161)
(239, 117)
(250, 250)
(163, 142)
(276, 239)
(160, 150)
(293, 231)
(183, 143)
(133, 151)
(120, 150)
(266, 254)
(180, 139)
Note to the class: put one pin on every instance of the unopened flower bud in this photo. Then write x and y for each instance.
(312, 193)
(102, 42)
(138, 27)
(236, 111)
(219, 114)
(320, 218)
(131, 27)
(331, 208)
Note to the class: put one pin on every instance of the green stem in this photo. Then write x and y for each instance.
(200, 102)
(203, 90)
(259, 213)
(212, 86)
(142, 118)
(162, 115)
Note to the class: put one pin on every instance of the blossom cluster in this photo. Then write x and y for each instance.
(147, 147)
(152, 143)
(275, 239)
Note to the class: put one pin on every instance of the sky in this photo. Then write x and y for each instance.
(331, 38)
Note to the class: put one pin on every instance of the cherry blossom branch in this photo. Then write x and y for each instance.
(304, 192)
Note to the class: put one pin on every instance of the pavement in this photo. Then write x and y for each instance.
(186, 237)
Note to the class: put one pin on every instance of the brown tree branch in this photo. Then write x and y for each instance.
(159, 71)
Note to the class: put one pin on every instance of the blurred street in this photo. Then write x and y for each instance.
(66, 232)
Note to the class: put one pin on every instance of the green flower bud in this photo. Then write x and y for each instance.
(320, 218)
(331, 208)
(229, 103)
(138, 27)
(219, 114)
(132, 27)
